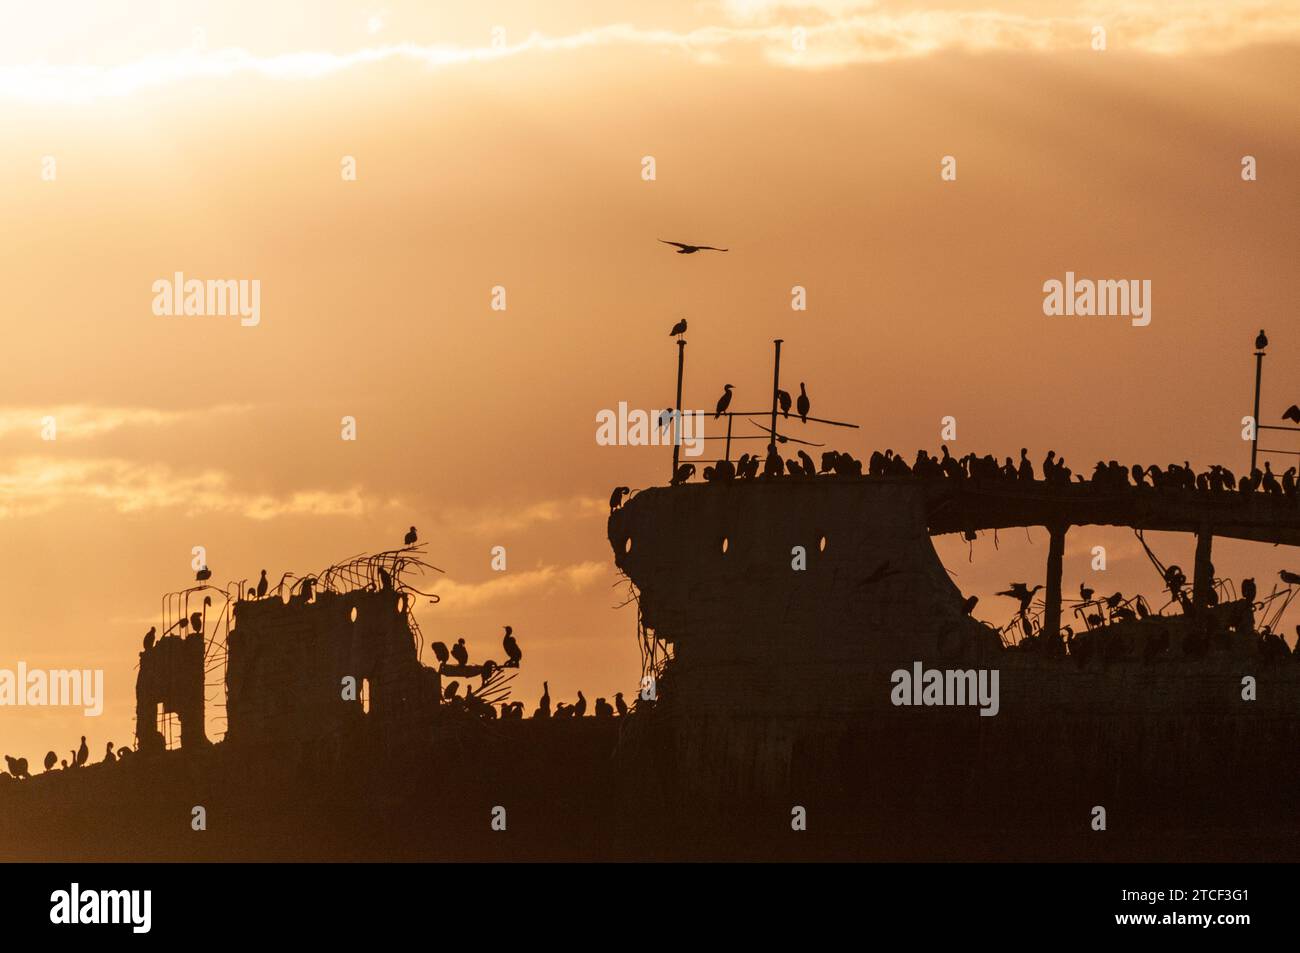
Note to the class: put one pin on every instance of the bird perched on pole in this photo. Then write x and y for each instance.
(685, 249)
(513, 652)
(1261, 340)
(724, 401)
(678, 329)
(803, 405)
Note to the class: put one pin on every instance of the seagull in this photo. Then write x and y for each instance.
(724, 401)
(616, 498)
(684, 249)
(803, 405)
(1261, 340)
(678, 329)
(261, 585)
(1292, 414)
(783, 398)
(411, 537)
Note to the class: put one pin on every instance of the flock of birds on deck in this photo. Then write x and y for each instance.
(78, 758)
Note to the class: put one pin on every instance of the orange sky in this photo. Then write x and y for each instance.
(521, 166)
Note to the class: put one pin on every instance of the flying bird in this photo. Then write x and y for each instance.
(678, 329)
(1021, 591)
(724, 401)
(684, 249)
(411, 537)
(803, 405)
(1261, 340)
(1292, 414)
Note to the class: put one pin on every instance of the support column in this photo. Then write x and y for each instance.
(1052, 609)
(1203, 574)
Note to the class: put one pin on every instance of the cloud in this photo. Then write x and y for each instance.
(77, 421)
(471, 596)
(31, 486)
(502, 520)
(834, 33)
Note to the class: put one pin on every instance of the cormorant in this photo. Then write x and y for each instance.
(604, 709)
(544, 703)
(1261, 340)
(83, 753)
(196, 623)
(619, 704)
(684, 249)
(108, 753)
(460, 653)
(149, 637)
(803, 405)
(783, 398)
(1248, 589)
(809, 468)
(684, 473)
(440, 651)
(1292, 414)
(580, 708)
(410, 537)
(17, 767)
(678, 329)
(262, 586)
(724, 401)
(1085, 593)
(203, 575)
(1022, 592)
(968, 605)
(50, 759)
(450, 691)
(1290, 578)
(513, 652)
(616, 498)
(385, 579)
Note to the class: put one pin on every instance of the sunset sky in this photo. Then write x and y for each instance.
(502, 146)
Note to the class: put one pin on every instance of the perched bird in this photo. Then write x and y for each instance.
(149, 637)
(580, 708)
(1292, 414)
(460, 652)
(411, 537)
(604, 709)
(1261, 340)
(619, 704)
(544, 703)
(803, 405)
(809, 468)
(724, 401)
(50, 759)
(684, 473)
(108, 753)
(83, 753)
(196, 623)
(1248, 589)
(1085, 593)
(666, 417)
(1290, 578)
(203, 575)
(440, 651)
(450, 691)
(783, 398)
(17, 767)
(262, 586)
(385, 579)
(513, 652)
(684, 249)
(616, 498)
(678, 329)
(968, 606)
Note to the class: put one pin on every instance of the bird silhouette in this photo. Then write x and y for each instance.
(17, 767)
(619, 704)
(149, 637)
(196, 623)
(968, 606)
(1261, 340)
(544, 703)
(1290, 578)
(203, 575)
(411, 537)
(580, 708)
(803, 405)
(809, 468)
(616, 498)
(1021, 592)
(678, 329)
(666, 417)
(684, 473)
(108, 753)
(460, 652)
(1292, 414)
(50, 759)
(440, 651)
(262, 585)
(685, 249)
(450, 691)
(724, 401)
(1085, 593)
(783, 398)
(513, 652)
(83, 753)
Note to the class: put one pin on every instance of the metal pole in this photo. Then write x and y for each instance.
(726, 454)
(776, 385)
(1254, 444)
(677, 417)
